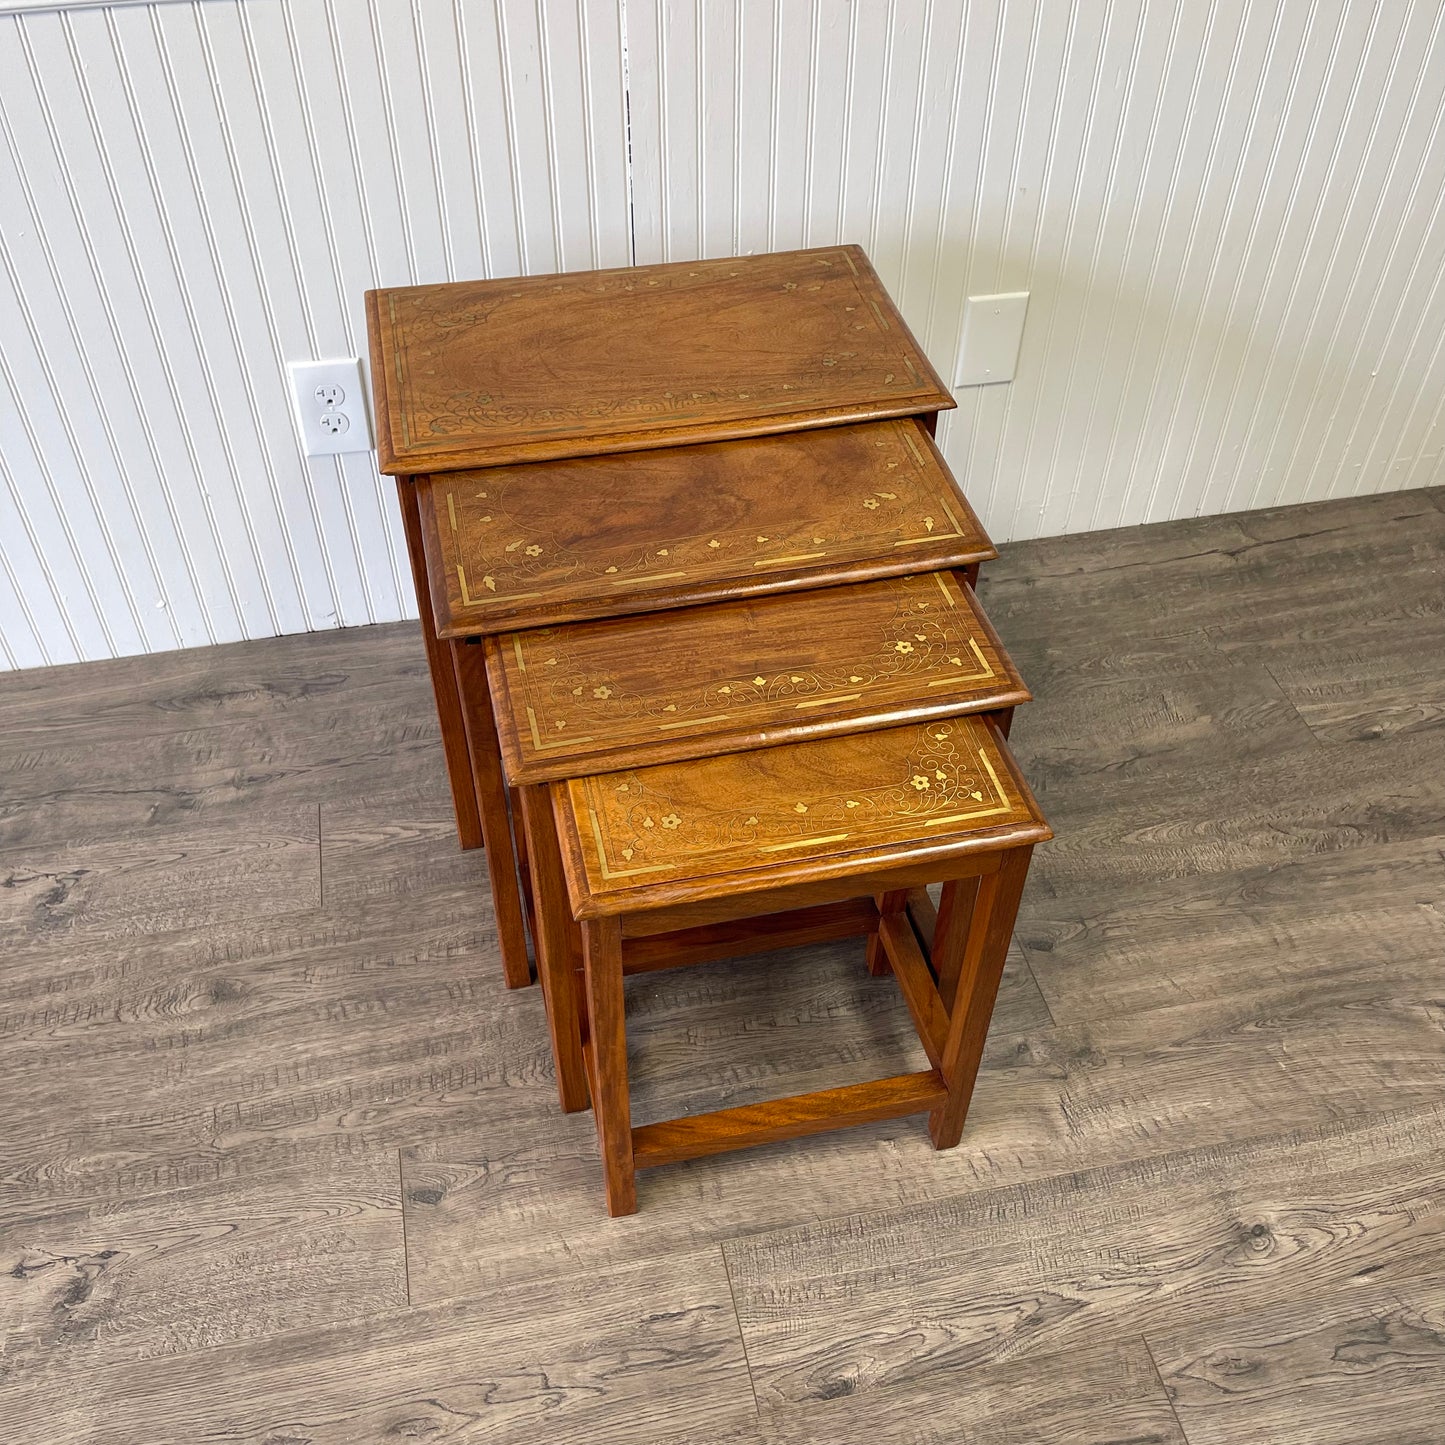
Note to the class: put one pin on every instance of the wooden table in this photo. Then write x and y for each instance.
(836, 826)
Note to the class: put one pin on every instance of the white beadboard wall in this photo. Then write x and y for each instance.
(1228, 216)
(191, 194)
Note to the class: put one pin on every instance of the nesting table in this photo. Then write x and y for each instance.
(696, 593)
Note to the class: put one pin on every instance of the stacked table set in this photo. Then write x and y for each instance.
(696, 592)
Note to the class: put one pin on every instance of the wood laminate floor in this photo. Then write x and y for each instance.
(280, 1159)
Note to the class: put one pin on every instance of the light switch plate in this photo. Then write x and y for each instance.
(993, 330)
(329, 398)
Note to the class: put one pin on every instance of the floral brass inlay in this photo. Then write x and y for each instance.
(932, 776)
(519, 555)
(927, 638)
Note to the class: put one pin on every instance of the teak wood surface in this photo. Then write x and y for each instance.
(682, 833)
(564, 541)
(485, 373)
(634, 691)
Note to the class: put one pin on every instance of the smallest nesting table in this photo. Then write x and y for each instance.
(825, 838)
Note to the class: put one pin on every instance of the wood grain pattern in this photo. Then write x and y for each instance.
(137, 883)
(737, 675)
(1362, 689)
(581, 1356)
(1358, 924)
(483, 373)
(554, 542)
(104, 1281)
(931, 790)
(1040, 1267)
(1106, 1394)
(1332, 1368)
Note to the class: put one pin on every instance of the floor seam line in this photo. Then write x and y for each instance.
(401, 1209)
(1168, 1398)
(742, 1337)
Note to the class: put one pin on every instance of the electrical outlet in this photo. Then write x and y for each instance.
(329, 398)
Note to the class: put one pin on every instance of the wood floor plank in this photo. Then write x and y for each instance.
(89, 1283)
(1353, 1366)
(1048, 1265)
(604, 1359)
(159, 881)
(391, 849)
(1359, 921)
(88, 791)
(165, 692)
(1124, 730)
(1361, 690)
(1221, 818)
(1330, 569)
(1101, 1394)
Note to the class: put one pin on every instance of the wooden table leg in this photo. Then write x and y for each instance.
(607, 1055)
(558, 945)
(950, 933)
(989, 932)
(443, 680)
(892, 902)
(524, 862)
(491, 791)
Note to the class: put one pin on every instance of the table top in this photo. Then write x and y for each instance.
(636, 691)
(563, 541)
(685, 832)
(487, 373)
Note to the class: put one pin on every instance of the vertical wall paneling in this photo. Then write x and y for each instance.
(1230, 218)
(193, 193)
(1227, 216)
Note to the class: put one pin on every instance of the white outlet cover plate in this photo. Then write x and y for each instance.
(993, 331)
(325, 440)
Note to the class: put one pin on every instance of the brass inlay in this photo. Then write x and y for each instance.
(964, 817)
(452, 510)
(882, 319)
(911, 444)
(931, 537)
(799, 557)
(993, 776)
(467, 597)
(691, 722)
(647, 577)
(948, 512)
(824, 701)
(543, 745)
(400, 375)
(517, 649)
(970, 676)
(602, 855)
(803, 842)
(943, 587)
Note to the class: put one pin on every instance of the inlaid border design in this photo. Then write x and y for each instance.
(568, 702)
(948, 775)
(479, 414)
